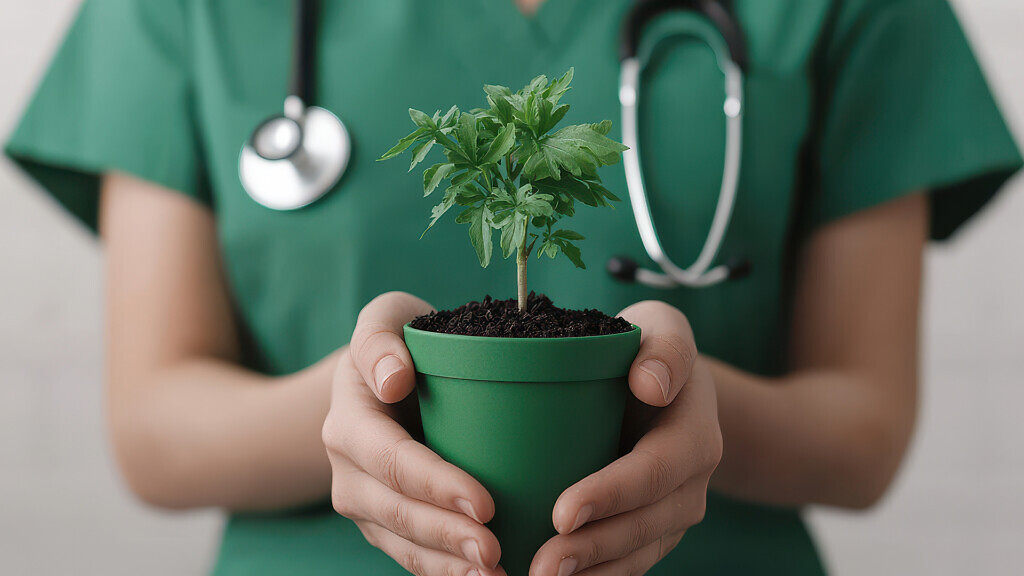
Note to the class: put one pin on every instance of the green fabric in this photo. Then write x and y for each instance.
(849, 104)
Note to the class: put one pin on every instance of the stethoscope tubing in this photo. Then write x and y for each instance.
(697, 275)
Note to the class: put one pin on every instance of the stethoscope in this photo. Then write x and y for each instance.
(730, 53)
(293, 159)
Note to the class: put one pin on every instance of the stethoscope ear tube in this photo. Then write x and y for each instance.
(699, 274)
(644, 11)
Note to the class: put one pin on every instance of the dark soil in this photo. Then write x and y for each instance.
(502, 319)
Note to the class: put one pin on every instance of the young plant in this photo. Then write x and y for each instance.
(511, 173)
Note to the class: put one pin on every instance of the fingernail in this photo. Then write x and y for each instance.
(581, 517)
(385, 369)
(659, 371)
(567, 566)
(467, 508)
(471, 552)
(473, 572)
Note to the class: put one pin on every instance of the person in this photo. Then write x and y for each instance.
(242, 340)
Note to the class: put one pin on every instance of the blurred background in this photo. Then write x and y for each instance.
(957, 508)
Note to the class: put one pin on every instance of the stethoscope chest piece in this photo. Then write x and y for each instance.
(293, 159)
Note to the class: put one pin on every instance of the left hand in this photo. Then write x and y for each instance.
(626, 517)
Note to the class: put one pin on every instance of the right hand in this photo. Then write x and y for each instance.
(424, 512)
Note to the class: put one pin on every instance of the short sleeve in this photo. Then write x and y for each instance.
(905, 107)
(116, 97)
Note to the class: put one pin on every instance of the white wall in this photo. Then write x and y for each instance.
(956, 509)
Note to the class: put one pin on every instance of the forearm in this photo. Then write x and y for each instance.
(209, 433)
(823, 437)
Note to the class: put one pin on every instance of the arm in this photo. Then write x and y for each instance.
(835, 429)
(189, 426)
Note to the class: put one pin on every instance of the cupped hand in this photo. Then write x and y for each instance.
(626, 517)
(423, 512)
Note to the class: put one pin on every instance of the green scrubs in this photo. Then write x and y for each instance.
(850, 104)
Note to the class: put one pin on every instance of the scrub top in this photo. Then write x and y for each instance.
(849, 104)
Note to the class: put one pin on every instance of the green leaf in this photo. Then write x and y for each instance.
(403, 144)
(572, 251)
(604, 127)
(437, 211)
(420, 152)
(449, 118)
(536, 205)
(548, 248)
(465, 177)
(501, 145)
(554, 118)
(422, 120)
(465, 131)
(556, 89)
(568, 235)
(480, 232)
(469, 195)
(512, 234)
(579, 150)
(538, 83)
(433, 176)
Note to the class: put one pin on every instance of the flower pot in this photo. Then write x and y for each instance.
(527, 417)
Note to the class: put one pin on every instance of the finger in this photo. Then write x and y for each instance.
(638, 562)
(375, 443)
(418, 560)
(686, 443)
(621, 535)
(424, 524)
(667, 352)
(378, 347)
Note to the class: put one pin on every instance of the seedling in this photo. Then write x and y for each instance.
(511, 173)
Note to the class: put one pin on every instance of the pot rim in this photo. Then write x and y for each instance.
(500, 359)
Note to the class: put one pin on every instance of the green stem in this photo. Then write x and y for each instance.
(521, 259)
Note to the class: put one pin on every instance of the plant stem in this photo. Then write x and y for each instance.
(521, 259)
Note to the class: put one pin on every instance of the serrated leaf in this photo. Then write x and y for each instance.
(512, 234)
(568, 235)
(420, 152)
(579, 150)
(536, 205)
(465, 177)
(422, 120)
(538, 83)
(449, 118)
(480, 233)
(554, 117)
(571, 251)
(404, 143)
(556, 89)
(603, 128)
(548, 248)
(465, 131)
(501, 145)
(437, 211)
(469, 195)
(601, 190)
(433, 176)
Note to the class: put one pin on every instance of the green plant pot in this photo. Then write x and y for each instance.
(527, 417)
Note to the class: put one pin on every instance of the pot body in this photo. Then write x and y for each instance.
(527, 417)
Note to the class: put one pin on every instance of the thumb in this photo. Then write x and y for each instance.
(667, 352)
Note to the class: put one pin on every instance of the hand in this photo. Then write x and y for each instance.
(425, 513)
(626, 517)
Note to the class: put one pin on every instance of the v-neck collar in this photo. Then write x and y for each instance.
(550, 25)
